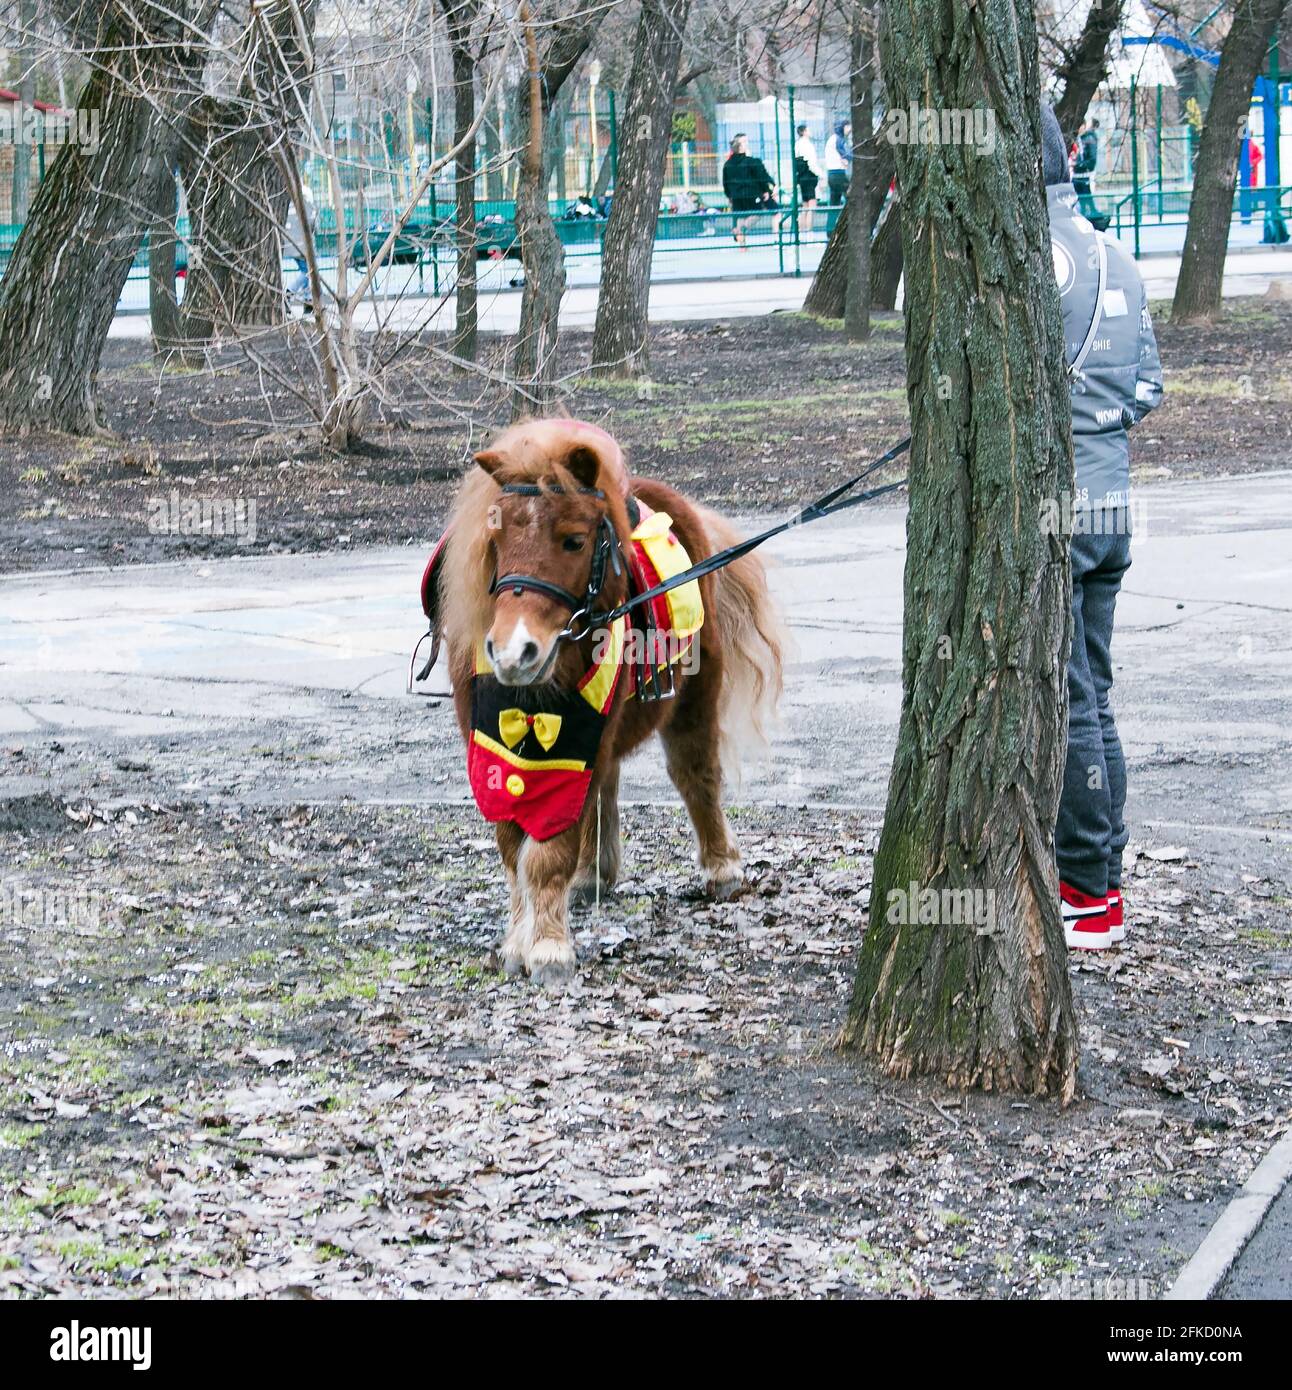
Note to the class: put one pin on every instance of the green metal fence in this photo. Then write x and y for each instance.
(1144, 180)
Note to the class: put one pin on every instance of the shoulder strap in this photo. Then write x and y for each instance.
(1079, 361)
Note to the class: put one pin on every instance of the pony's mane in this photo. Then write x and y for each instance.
(531, 451)
(468, 565)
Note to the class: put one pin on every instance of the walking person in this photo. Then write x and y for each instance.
(1116, 379)
(807, 175)
(838, 162)
(748, 187)
(1084, 166)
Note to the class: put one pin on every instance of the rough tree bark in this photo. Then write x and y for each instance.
(856, 317)
(1197, 291)
(236, 207)
(1086, 65)
(886, 258)
(237, 200)
(54, 316)
(460, 15)
(827, 295)
(619, 341)
(543, 257)
(163, 308)
(974, 989)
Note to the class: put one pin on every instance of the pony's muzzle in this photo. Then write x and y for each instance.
(519, 659)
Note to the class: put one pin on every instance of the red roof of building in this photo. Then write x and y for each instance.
(7, 95)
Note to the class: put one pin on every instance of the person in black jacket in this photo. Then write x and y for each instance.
(748, 186)
(1083, 170)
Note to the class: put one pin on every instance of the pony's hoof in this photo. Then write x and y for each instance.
(551, 964)
(557, 975)
(725, 881)
(508, 961)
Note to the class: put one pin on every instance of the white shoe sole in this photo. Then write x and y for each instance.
(1117, 934)
(1087, 940)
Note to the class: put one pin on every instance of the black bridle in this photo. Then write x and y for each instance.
(585, 617)
(605, 554)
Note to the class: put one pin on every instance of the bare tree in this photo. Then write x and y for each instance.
(348, 357)
(236, 196)
(26, 42)
(827, 295)
(1085, 64)
(886, 257)
(367, 317)
(619, 342)
(1211, 208)
(861, 78)
(96, 200)
(550, 59)
(163, 307)
(460, 16)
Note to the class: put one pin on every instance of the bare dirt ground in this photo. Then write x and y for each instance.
(282, 1063)
(751, 415)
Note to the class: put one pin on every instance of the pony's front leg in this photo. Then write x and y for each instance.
(515, 944)
(546, 868)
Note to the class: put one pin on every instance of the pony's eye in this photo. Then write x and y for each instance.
(573, 543)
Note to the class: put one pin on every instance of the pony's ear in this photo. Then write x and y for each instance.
(490, 460)
(584, 463)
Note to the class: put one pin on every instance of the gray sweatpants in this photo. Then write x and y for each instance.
(1091, 832)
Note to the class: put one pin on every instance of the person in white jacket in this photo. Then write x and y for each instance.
(807, 175)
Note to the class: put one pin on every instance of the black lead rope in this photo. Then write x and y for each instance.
(836, 500)
(826, 505)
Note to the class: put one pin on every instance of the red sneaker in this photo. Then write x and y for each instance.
(1116, 922)
(1085, 919)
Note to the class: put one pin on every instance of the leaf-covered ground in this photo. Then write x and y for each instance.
(280, 1063)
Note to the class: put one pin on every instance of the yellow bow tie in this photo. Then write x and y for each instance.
(514, 724)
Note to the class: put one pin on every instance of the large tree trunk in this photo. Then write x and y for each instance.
(163, 309)
(886, 258)
(604, 175)
(1202, 270)
(827, 296)
(619, 342)
(973, 989)
(236, 207)
(1086, 65)
(542, 255)
(237, 200)
(55, 306)
(460, 19)
(856, 318)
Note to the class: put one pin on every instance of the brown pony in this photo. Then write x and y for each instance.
(534, 507)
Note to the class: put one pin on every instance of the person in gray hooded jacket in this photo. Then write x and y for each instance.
(1116, 379)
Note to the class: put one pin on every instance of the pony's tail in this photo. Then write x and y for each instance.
(753, 651)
